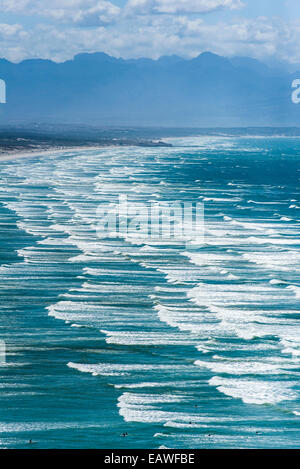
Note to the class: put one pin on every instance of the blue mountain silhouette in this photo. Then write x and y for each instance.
(208, 90)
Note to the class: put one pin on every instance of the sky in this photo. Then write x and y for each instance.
(268, 30)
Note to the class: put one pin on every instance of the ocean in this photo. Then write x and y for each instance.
(117, 342)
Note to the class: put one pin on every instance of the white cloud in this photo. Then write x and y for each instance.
(148, 35)
(180, 6)
(95, 12)
(10, 30)
(82, 12)
(14, 6)
(153, 36)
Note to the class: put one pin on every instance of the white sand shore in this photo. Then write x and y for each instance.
(11, 156)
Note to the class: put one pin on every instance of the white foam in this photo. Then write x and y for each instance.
(274, 261)
(161, 384)
(294, 289)
(249, 367)
(113, 369)
(254, 391)
(146, 408)
(146, 338)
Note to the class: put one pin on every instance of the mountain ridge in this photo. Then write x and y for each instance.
(208, 90)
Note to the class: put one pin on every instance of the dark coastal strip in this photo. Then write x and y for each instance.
(33, 137)
(20, 140)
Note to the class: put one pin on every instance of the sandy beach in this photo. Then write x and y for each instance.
(11, 156)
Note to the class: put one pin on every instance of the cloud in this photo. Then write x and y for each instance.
(180, 6)
(156, 35)
(81, 12)
(10, 30)
(103, 27)
(95, 12)
(14, 6)
(13, 41)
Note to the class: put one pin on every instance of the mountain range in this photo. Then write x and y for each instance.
(208, 90)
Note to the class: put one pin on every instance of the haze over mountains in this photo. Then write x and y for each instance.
(209, 91)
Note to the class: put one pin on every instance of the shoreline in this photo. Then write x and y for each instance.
(11, 156)
(15, 152)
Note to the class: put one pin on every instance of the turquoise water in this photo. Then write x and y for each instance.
(178, 347)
